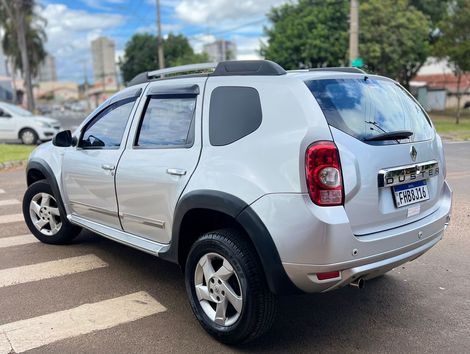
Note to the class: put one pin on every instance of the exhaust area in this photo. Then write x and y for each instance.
(358, 283)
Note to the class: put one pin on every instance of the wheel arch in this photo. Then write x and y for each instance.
(38, 169)
(207, 210)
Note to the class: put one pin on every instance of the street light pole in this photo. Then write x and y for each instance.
(161, 58)
(354, 31)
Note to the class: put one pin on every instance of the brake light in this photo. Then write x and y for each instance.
(323, 172)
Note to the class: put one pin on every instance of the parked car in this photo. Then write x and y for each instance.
(18, 123)
(256, 181)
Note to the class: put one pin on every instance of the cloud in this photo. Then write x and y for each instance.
(102, 4)
(203, 12)
(69, 35)
(166, 28)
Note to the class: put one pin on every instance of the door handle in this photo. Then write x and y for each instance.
(176, 171)
(108, 167)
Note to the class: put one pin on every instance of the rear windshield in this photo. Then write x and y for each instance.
(367, 107)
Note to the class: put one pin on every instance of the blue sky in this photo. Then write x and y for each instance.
(72, 25)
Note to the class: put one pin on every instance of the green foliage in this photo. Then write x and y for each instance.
(454, 41)
(308, 34)
(140, 54)
(434, 9)
(394, 38)
(35, 37)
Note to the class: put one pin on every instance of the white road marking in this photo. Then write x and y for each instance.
(5, 219)
(9, 202)
(39, 331)
(2, 191)
(17, 240)
(47, 270)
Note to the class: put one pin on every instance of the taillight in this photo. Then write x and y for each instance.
(323, 172)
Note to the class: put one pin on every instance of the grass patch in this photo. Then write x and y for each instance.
(13, 152)
(446, 127)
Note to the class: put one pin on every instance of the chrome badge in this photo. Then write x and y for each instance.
(413, 153)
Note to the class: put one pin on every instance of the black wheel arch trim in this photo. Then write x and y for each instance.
(276, 276)
(43, 167)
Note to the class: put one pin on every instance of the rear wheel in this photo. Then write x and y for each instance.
(227, 289)
(43, 217)
(29, 137)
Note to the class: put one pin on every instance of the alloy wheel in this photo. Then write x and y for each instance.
(218, 289)
(44, 213)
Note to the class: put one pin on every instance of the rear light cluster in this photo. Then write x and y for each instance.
(323, 172)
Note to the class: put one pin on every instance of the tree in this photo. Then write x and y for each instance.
(309, 33)
(454, 43)
(139, 54)
(394, 38)
(23, 40)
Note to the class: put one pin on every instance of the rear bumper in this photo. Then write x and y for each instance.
(304, 276)
(313, 240)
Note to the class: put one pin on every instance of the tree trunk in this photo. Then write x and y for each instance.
(18, 15)
(459, 97)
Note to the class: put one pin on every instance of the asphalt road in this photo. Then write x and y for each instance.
(423, 306)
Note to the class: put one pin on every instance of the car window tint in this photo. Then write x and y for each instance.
(107, 129)
(364, 108)
(167, 122)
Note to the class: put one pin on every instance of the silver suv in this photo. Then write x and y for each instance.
(256, 181)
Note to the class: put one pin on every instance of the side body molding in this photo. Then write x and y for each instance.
(277, 279)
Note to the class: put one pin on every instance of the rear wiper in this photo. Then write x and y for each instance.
(396, 135)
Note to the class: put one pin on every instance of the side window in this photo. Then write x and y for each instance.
(167, 122)
(105, 131)
(234, 113)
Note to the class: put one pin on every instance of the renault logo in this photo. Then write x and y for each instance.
(413, 153)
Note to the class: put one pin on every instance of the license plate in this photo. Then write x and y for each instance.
(410, 193)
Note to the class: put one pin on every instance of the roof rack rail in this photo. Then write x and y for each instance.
(344, 69)
(224, 68)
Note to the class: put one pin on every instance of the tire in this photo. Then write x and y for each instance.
(29, 137)
(248, 314)
(40, 207)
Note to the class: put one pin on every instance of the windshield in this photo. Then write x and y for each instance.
(364, 108)
(16, 110)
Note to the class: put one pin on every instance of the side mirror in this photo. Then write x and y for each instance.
(4, 114)
(63, 139)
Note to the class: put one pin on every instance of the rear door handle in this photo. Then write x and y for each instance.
(176, 171)
(108, 167)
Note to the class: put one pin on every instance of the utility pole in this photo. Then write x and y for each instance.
(161, 58)
(354, 32)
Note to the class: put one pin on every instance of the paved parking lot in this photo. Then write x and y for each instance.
(97, 296)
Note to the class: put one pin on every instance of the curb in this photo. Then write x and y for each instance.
(11, 164)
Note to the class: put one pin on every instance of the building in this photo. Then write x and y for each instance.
(103, 52)
(47, 70)
(220, 50)
(436, 86)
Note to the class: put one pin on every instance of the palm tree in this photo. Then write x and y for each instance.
(23, 40)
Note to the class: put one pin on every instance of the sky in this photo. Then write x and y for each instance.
(73, 24)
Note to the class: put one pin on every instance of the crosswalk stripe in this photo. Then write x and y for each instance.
(2, 191)
(47, 270)
(39, 331)
(17, 240)
(7, 202)
(5, 219)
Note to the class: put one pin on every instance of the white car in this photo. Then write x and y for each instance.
(18, 123)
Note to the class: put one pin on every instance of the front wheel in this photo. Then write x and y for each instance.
(43, 217)
(29, 137)
(227, 289)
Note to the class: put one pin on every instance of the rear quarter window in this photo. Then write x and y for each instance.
(367, 107)
(234, 113)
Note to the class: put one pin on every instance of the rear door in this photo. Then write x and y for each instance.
(389, 181)
(161, 155)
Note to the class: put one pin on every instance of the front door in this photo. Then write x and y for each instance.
(89, 169)
(162, 153)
